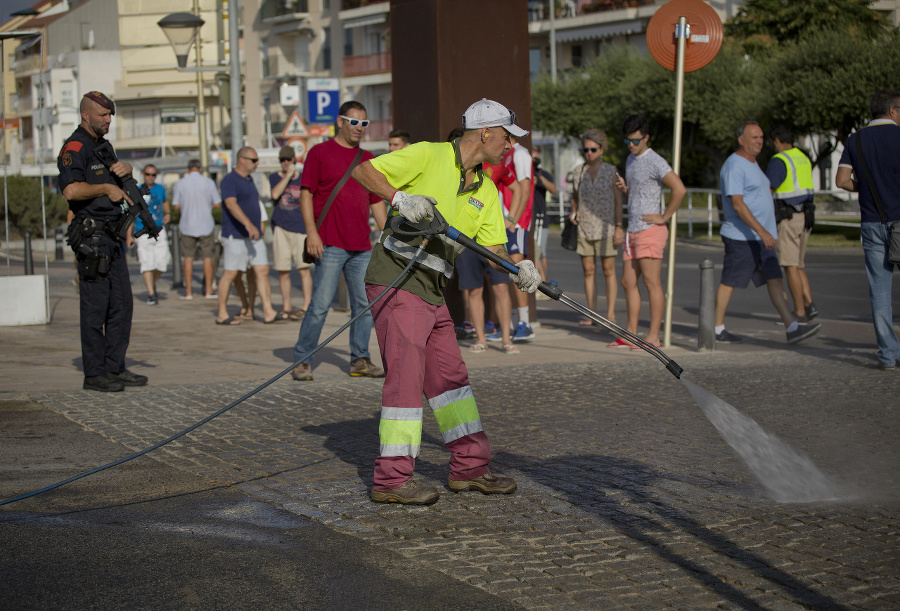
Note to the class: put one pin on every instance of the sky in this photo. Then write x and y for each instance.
(11, 6)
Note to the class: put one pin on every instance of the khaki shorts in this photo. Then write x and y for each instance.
(791, 244)
(207, 244)
(595, 248)
(288, 246)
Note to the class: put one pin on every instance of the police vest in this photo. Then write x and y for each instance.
(798, 182)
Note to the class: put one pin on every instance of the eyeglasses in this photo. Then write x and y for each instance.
(149, 174)
(633, 141)
(251, 159)
(590, 149)
(355, 122)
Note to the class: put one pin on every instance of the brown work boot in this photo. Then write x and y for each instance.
(487, 484)
(365, 367)
(409, 493)
(302, 372)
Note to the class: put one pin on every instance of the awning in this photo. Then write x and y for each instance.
(600, 31)
(363, 21)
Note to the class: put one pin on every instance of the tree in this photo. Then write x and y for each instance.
(761, 24)
(24, 205)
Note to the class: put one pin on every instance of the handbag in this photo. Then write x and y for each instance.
(893, 227)
(308, 258)
(569, 235)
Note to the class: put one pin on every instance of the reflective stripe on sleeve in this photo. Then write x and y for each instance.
(428, 260)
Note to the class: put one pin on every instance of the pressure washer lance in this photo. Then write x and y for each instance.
(550, 289)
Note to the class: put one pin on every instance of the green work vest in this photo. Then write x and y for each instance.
(798, 181)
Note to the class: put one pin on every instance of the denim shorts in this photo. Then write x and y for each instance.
(747, 260)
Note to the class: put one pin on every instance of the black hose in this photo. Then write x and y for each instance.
(230, 405)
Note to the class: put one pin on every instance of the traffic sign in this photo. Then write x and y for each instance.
(703, 36)
(299, 146)
(295, 127)
(186, 113)
(324, 99)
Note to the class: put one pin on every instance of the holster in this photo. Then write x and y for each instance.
(783, 212)
(83, 236)
(809, 212)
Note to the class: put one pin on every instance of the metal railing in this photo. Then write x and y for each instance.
(357, 65)
(693, 211)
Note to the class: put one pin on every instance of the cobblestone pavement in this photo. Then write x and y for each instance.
(628, 497)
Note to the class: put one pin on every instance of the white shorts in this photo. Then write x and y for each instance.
(154, 254)
(241, 254)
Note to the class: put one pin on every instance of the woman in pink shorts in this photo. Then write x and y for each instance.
(645, 174)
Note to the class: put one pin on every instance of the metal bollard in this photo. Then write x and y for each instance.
(60, 241)
(29, 262)
(177, 264)
(706, 336)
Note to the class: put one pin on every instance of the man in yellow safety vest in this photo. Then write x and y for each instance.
(790, 177)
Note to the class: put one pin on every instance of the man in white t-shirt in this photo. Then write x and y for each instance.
(645, 174)
(195, 196)
(518, 219)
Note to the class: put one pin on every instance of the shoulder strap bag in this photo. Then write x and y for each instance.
(308, 258)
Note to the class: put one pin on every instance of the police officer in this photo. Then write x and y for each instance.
(790, 178)
(96, 199)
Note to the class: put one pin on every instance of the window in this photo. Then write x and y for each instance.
(348, 42)
(577, 56)
(66, 93)
(141, 123)
(534, 61)
(326, 50)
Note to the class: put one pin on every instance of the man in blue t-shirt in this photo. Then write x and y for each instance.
(289, 232)
(153, 255)
(749, 235)
(879, 142)
(243, 246)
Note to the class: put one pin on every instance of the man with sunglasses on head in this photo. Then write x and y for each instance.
(97, 200)
(153, 255)
(415, 331)
(340, 244)
(242, 239)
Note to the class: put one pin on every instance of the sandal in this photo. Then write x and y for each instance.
(585, 323)
(477, 348)
(279, 316)
(245, 315)
(291, 315)
(510, 349)
(618, 344)
(231, 320)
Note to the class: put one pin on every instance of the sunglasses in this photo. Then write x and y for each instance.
(355, 122)
(283, 159)
(149, 174)
(590, 149)
(633, 141)
(251, 159)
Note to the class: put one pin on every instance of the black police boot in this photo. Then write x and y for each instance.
(129, 379)
(104, 383)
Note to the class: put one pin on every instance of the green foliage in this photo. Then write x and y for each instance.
(24, 205)
(761, 24)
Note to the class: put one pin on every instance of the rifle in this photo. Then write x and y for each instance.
(107, 157)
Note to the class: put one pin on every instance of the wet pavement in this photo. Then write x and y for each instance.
(628, 497)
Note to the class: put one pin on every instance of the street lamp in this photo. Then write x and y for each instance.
(182, 29)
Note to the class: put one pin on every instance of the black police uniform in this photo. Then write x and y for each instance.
(105, 286)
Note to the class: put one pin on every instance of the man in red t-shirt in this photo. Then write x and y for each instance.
(339, 241)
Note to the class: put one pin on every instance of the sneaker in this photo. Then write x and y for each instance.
(152, 300)
(409, 493)
(302, 372)
(496, 336)
(811, 311)
(728, 338)
(103, 383)
(802, 332)
(887, 366)
(523, 332)
(490, 327)
(364, 367)
(468, 328)
(129, 379)
(486, 484)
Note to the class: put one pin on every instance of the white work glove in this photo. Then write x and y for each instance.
(413, 208)
(528, 279)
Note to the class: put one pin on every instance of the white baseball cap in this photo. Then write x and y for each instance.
(487, 113)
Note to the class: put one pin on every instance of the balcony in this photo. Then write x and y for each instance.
(360, 65)
(538, 9)
(277, 11)
(378, 129)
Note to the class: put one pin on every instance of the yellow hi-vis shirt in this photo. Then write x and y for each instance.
(435, 169)
(799, 181)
